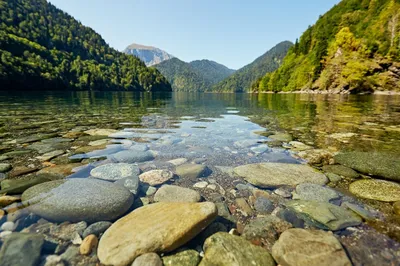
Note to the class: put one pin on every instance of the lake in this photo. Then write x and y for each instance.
(250, 154)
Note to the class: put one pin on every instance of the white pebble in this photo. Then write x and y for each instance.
(8, 226)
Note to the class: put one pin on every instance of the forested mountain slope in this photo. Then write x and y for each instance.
(197, 75)
(242, 79)
(355, 47)
(44, 48)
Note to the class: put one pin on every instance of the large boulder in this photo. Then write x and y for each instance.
(224, 249)
(376, 190)
(77, 200)
(269, 175)
(298, 247)
(370, 163)
(160, 228)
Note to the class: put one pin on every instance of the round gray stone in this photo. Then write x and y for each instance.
(77, 200)
(315, 192)
(96, 228)
(115, 171)
(131, 183)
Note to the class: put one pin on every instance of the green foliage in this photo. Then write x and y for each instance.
(344, 49)
(194, 76)
(243, 79)
(43, 48)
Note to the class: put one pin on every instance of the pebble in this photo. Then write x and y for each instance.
(148, 259)
(264, 205)
(96, 229)
(283, 192)
(169, 193)
(88, 244)
(202, 184)
(178, 161)
(156, 177)
(8, 226)
(396, 207)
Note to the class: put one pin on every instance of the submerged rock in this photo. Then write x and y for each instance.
(340, 170)
(78, 199)
(148, 259)
(131, 156)
(324, 215)
(315, 192)
(131, 183)
(18, 186)
(284, 137)
(168, 193)
(184, 258)
(191, 171)
(59, 171)
(269, 175)
(21, 249)
(160, 227)
(156, 177)
(5, 167)
(377, 164)
(376, 190)
(224, 249)
(115, 171)
(298, 247)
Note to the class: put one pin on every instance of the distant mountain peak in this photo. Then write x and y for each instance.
(148, 54)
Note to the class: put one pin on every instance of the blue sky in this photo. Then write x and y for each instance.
(231, 32)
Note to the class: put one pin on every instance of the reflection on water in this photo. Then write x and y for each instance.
(335, 122)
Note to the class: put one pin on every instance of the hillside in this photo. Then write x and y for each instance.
(353, 48)
(242, 79)
(148, 54)
(198, 75)
(44, 48)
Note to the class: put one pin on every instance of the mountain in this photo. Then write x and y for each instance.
(197, 75)
(44, 48)
(353, 48)
(242, 79)
(148, 54)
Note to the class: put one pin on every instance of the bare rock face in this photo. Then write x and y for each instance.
(155, 228)
(149, 55)
(309, 247)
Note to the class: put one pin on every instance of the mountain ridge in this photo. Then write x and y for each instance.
(150, 55)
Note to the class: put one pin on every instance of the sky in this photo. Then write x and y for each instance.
(230, 32)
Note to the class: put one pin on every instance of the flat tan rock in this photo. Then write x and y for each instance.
(156, 177)
(298, 247)
(155, 228)
(270, 175)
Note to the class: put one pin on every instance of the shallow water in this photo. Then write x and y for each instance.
(220, 131)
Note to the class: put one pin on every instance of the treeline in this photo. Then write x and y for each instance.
(44, 48)
(355, 47)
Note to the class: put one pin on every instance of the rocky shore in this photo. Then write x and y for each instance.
(105, 196)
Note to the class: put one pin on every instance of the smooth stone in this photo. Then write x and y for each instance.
(7, 200)
(140, 147)
(96, 229)
(284, 137)
(340, 170)
(183, 258)
(290, 217)
(370, 163)
(178, 161)
(131, 183)
(202, 184)
(190, 171)
(100, 132)
(53, 260)
(334, 178)
(148, 190)
(362, 212)
(315, 192)
(156, 177)
(88, 244)
(244, 207)
(299, 146)
(298, 247)
(157, 227)
(56, 140)
(115, 171)
(78, 199)
(169, 193)
(8, 226)
(59, 171)
(5, 234)
(13, 154)
(269, 175)
(50, 155)
(265, 230)
(20, 249)
(260, 149)
(264, 205)
(376, 190)
(283, 192)
(5, 167)
(18, 186)
(122, 135)
(130, 156)
(396, 207)
(148, 259)
(324, 215)
(3, 158)
(224, 249)
(99, 142)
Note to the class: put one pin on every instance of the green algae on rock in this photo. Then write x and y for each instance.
(374, 189)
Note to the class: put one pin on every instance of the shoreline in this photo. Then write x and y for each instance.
(329, 92)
